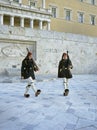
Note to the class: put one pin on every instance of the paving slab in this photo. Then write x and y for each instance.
(50, 110)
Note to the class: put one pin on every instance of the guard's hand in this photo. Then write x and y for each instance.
(36, 68)
(60, 70)
(70, 67)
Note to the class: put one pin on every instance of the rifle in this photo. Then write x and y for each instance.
(36, 68)
(69, 66)
(67, 54)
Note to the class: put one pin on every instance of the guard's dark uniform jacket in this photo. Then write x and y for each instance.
(63, 68)
(27, 68)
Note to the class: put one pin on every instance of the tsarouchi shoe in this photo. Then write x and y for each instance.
(66, 92)
(38, 92)
(26, 95)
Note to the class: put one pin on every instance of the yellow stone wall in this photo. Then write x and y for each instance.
(73, 26)
(25, 2)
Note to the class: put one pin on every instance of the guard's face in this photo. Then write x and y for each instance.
(30, 57)
(65, 57)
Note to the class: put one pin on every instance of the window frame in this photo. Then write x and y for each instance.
(93, 2)
(81, 19)
(54, 15)
(34, 3)
(94, 20)
(16, 1)
(81, 0)
(68, 18)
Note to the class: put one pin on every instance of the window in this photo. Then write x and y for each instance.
(93, 2)
(80, 17)
(17, 1)
(92, 19)
(68, 15)
(32, 3)
(81, 0)
(54, 10)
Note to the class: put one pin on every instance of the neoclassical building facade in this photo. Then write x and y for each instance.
(14, 13)
(74, 16)
(48, 28)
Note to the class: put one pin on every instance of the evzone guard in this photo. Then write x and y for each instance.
(27, 72)
(64, 72)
